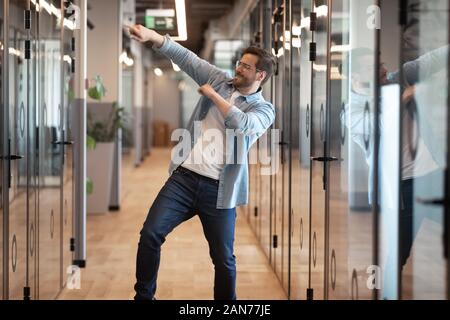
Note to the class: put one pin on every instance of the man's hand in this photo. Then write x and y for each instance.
(408, 94)
(222, 104)
(207, 91)
(142, 34)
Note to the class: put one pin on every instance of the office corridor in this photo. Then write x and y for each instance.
(186, 271)
(328, 119)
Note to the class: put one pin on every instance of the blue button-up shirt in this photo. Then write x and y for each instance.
(249, 118)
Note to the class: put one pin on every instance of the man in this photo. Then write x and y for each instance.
(203, 180)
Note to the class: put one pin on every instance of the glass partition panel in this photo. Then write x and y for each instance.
(2, 126)
(50, 152)
(318, 143)
(425, 89)
(68, 98)
(17, 146)
(351, 143)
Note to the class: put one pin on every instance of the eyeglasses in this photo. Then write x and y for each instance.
(245, 66)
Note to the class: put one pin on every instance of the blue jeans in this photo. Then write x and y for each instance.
(184, 195)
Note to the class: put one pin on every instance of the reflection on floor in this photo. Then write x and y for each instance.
(186, 271)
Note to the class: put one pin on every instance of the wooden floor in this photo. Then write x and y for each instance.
(186, 270)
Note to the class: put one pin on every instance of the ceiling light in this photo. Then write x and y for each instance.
(158, 72)
(129, 62)
(296, 43)
(305, 22)
(15, 52)
(67, 59)
(44, 4)
(340, 48)
(180, 8)
(321, 11)
(124, 58)
(280, 52)
(296, 30)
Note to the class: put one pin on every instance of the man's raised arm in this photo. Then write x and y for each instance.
(423, 67)
(198, 69)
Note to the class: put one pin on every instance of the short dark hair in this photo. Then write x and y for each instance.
(266, 61)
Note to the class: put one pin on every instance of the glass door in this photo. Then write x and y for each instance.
(264, 204)
(50, 150)
(265, 144)
(301, 146)
(3, 251)
(255, 217)
(318, 148)
(387, 147)
(285, 145)
(413, 125)
(16, 122)
(352, 83)
(68, 97)
(32, 154)
(295, 184)
(424, 100)
(277, 178)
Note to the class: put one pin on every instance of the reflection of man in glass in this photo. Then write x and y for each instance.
(417, 160)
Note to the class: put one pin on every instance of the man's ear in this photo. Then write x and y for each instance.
(262, 75)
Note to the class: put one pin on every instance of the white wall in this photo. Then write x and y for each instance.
(166, 99)
(138, 74)
(105, 45)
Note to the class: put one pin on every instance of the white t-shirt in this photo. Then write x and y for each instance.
(208, 156)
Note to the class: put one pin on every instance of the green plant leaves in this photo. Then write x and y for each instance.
(89, 186)
(105, 131)
(94, 94)
(90, 142)
(98, 90)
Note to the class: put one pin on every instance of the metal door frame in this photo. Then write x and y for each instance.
(5, 163)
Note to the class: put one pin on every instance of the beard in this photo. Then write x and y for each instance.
(241, 81)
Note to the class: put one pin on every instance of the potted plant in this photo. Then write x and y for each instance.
(101, 134)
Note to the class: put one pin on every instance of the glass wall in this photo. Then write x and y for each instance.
(68, 100)
(32, 158)
(301, 105)
(388, 153)
(278, 97)
(16, 116)
(37, 92)
(357, 209)
(424, 102)
(351, 144)
(3, 250)
(50, 152)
